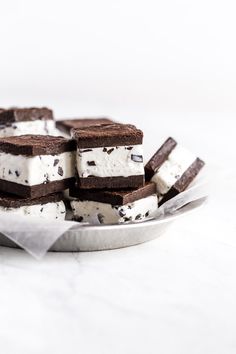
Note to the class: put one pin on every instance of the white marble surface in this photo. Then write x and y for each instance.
(176, 294)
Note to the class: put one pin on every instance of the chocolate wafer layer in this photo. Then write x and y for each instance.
(25, 114)
(107, 135)
(36, 191)
(114, 197)
(33, 145)
(110, 182)
(66, 125)
(159, 158)
(11, 201)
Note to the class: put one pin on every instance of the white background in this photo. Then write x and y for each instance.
(151, 63)
(117, 57)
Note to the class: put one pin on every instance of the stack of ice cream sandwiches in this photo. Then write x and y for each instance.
(100, 162)
(110, 185)
(36, 164)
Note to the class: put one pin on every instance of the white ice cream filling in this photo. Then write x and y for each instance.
(35, 127)
(52, 211)
(102, 213)
(33, 170)
(111, 161)
(179, 160)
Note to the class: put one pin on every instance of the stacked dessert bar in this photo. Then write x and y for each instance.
(172, 168)
(101, 164)
(110, 186)
(65, 126)
(20, 121)
(34, 171)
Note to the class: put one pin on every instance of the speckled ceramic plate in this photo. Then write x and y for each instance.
(97, 238)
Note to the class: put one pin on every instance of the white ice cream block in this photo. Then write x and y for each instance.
(52, 211)
(34, 170)
(36, 127)
(110, 161)
(102, 213)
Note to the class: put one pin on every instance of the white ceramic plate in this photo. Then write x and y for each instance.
(97, 238)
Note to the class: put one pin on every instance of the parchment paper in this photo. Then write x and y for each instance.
(36, 235)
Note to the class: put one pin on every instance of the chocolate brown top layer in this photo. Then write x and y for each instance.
(159, 158)
(25, 114)
(118, 197)
(12, 201)
(67, 124)
(107, 135)
(33, 145)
